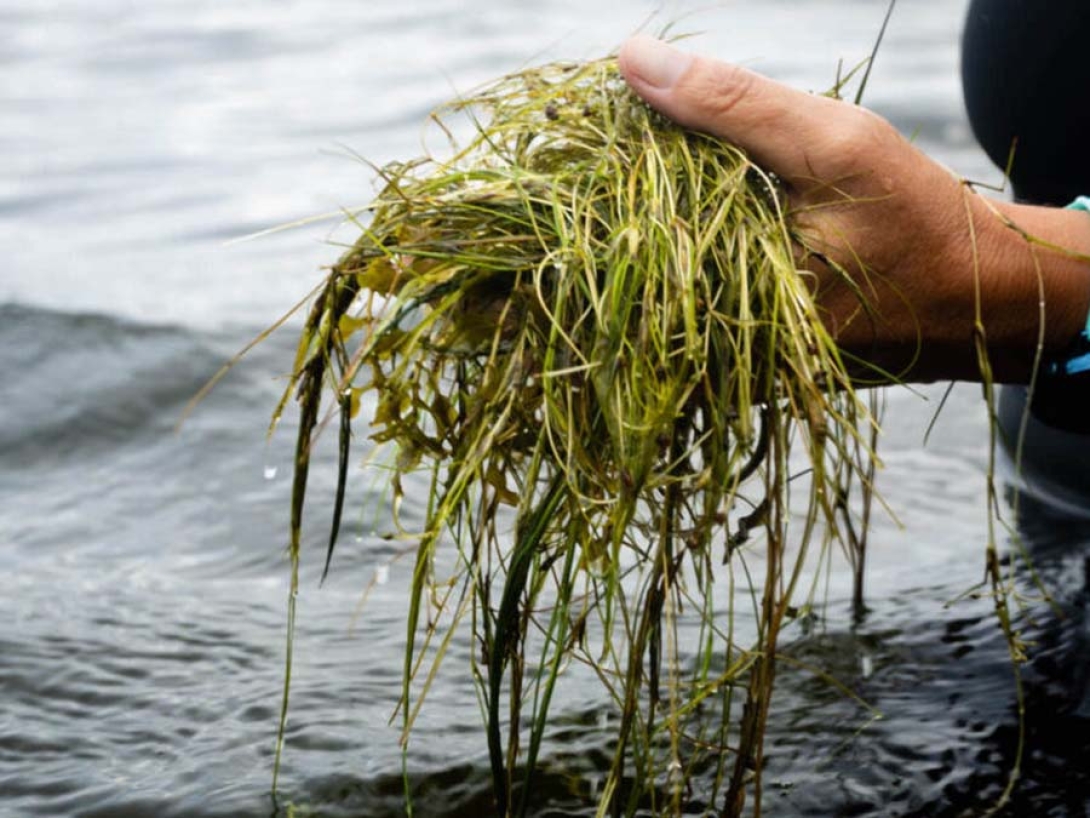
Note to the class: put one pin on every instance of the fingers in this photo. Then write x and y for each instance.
(789, 132)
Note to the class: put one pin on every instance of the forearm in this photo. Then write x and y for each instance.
(1035, 265)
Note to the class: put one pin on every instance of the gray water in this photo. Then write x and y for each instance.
(143, 616)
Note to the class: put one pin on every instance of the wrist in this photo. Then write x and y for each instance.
(1034, 266)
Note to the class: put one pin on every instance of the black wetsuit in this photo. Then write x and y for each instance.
(1026, 77)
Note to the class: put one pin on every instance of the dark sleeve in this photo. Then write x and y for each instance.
(1026, 76)
(1063, 404)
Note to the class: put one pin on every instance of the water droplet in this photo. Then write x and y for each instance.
(382, 575)
(593, 781)
(270, 472)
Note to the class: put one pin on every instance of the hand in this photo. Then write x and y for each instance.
(897, 222)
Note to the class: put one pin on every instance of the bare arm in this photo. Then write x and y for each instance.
(898, 221)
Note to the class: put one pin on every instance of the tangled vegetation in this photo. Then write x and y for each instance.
(587, 327)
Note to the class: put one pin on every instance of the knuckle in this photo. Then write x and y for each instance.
(855, 129)
(857, 136)
(719, 89)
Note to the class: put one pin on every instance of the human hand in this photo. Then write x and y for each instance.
(920, 248)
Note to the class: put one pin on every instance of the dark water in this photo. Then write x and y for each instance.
(143, 613)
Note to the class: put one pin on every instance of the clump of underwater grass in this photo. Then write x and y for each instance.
(594, 319)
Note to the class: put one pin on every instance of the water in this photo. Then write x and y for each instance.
(145, 601)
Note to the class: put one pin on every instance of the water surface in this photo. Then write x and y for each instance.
(144, 614)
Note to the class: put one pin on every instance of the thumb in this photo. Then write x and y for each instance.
(777, 125)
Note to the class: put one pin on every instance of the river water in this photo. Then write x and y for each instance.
(144, 610)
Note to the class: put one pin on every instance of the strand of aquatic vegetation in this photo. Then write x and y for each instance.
(591, 322)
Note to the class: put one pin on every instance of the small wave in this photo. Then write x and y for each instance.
(77, 381)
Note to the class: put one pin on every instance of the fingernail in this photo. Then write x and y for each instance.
(653, 61)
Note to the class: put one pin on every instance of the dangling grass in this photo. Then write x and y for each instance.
(594, 319)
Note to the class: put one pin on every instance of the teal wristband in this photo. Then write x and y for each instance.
(1061, 396)
(1077, 358)
(1081, 203)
